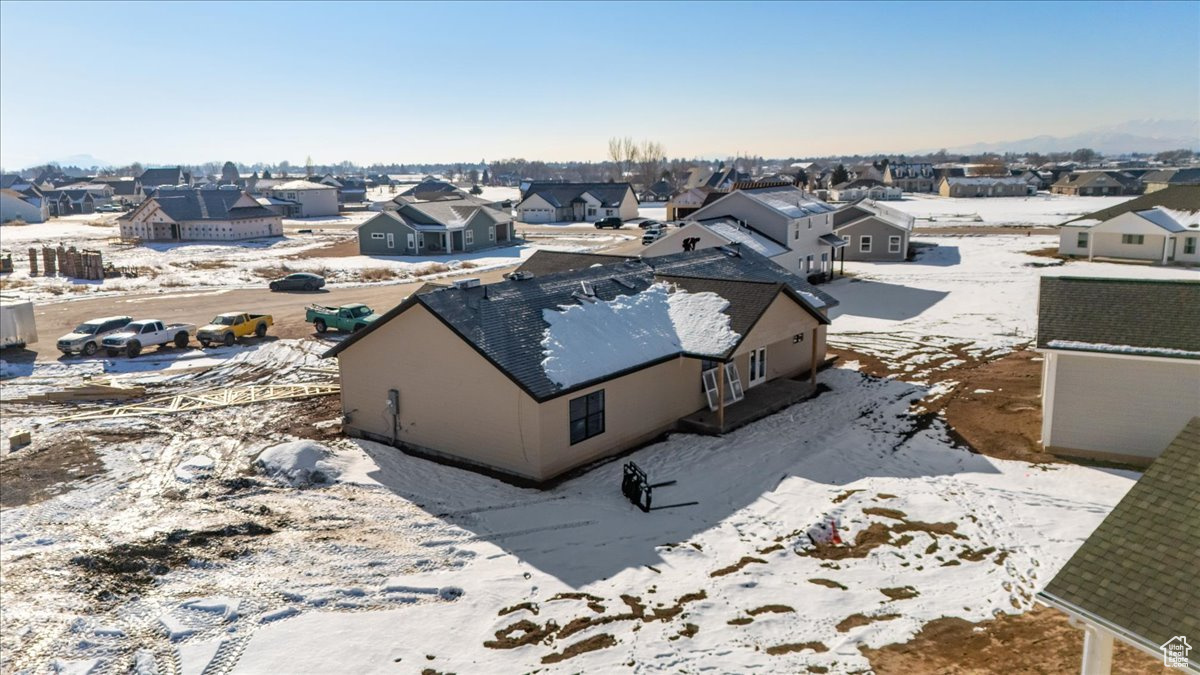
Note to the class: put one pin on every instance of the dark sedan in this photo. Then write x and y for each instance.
(300, 281)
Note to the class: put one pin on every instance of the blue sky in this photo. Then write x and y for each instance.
(177, 82)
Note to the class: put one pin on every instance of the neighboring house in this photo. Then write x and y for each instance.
(1134, 577)
(1094, 184)
(152, 179)
(431, 189)
(866, 171)
(315, 199)
(1178, 197)
(1161, 180)
(984, 186)
(125, 190)
(1121, 368)
(539, 375)
(15, 205)
(72, 201)
(440, 226)
(909, 177)
(1032, 178)
(659, 192)
(576, 202)
(350, 190)
(873, 232)
(713, 233)
(188, 214)
(864, 188)
(1160, 234)
(102, 193)
(783, 214)
(686, 203)
(721, 178)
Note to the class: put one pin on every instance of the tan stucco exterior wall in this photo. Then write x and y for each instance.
(776, 330)
(452, 400)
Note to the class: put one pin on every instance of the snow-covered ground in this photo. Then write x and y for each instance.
(1043, 209)
(977, 292)
(244, 263)
(187, 554)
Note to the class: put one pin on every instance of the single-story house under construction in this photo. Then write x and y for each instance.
(194, 214)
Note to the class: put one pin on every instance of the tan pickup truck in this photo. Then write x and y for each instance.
(224, 329)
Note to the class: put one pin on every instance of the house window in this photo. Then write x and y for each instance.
(1189, 246)
(1135, 239)
(824, 262)
(587, 416)
(810, 223)
(893, 244)
(491, 234)
(469, 236)
(808, 263)
(411, 240)
(796, 233)
(377, 235)
(591, 211)
(864, 243)
(608, 212)
(1081, 240)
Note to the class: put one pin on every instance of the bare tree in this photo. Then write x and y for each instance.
(650, 158)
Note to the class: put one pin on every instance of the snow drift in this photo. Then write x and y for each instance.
(299, 463)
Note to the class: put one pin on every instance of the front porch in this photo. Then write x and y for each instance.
(765, 399)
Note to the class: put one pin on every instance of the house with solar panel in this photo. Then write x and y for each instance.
(781, 222)
(576, 202)
(577, 357)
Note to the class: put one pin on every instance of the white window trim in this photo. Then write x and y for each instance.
(894, 243)
(377, 235)
(468, 237)
(864, 243)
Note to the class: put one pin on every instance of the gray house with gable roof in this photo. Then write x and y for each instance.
(438, 227)
(576, 202)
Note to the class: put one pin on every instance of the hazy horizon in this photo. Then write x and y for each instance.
(454, 82)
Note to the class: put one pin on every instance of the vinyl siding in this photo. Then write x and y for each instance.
(1120, 407)
(879, 232)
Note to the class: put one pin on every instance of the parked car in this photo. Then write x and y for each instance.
(349, 318)
(652, 235)
(17, 325)
(137, 335)
(226, 328)
(299, 281)
(647, 224)
(86, 337)
(612, 221)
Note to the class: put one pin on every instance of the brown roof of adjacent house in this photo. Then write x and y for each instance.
(1143, 317)
(1178, 197)
(1137, 573)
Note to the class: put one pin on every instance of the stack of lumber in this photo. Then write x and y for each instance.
(84, 392)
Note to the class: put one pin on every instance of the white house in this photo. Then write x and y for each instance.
(199, 215)
(576, 202)
(315, 199)
(796, 224)
(1121, 373)
(15, 205)
(1159, 234)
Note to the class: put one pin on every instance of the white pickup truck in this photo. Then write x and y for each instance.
(140, 334)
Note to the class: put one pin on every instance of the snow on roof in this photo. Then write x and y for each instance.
(1075, 345)
(302, 185)
(1171, 220)
(597, 338)
(729, 229)
(789, 200)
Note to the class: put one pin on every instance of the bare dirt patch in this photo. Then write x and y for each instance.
(746, 560)
(43, 471)
(828, 583)
(878, 534)
(856, 620)
(796, 647)
(342, 249)
(770, 609)
(601, 641)
(1038, 641)
(900, 593)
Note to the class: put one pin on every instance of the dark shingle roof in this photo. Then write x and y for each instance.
(544, 262)
(168, 176)
(1136, 573)
(562, 194)
(191, 204)
(1178, 197)
(504, 322)
(1142, 316)
(1185, 177)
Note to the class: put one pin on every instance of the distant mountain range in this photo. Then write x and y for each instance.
(1127, 137)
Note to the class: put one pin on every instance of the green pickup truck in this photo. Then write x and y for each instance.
(349, 318)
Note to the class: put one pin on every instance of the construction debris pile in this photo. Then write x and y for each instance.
(74, 263)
